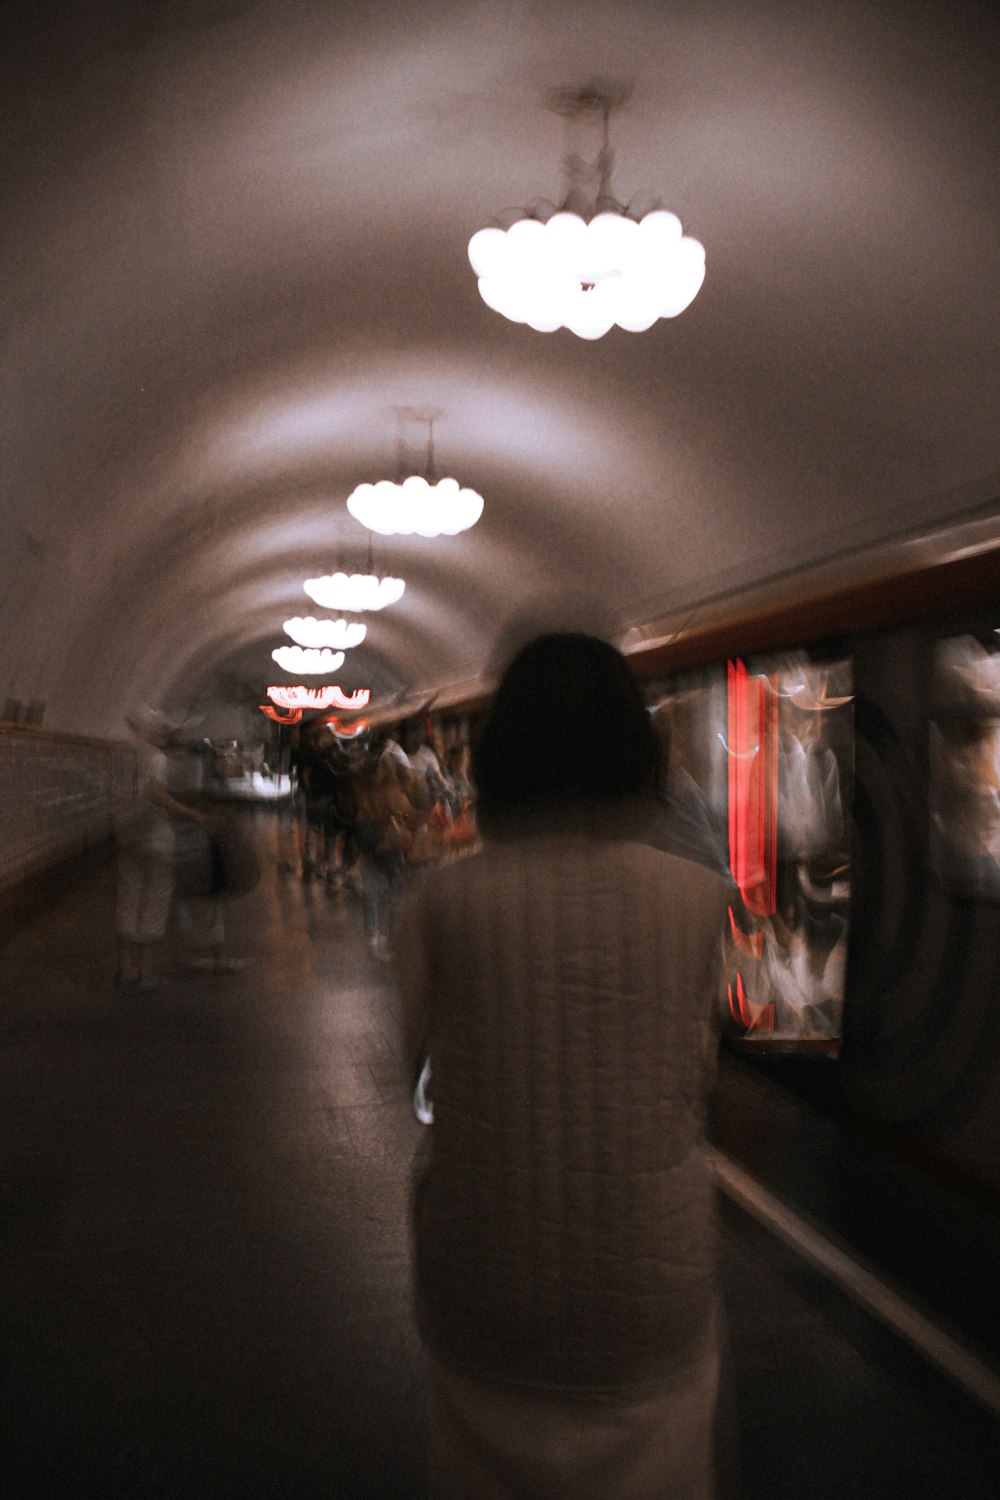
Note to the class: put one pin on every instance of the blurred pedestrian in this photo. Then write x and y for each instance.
(384, 829)
(199, 873)
(145, 839)
(564, 982)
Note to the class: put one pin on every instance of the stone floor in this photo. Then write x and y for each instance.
(204, 1249)
(205, 1213)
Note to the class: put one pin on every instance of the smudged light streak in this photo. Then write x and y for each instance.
(742, 1009)
(347, 731)
(753, 788)
(292, 716)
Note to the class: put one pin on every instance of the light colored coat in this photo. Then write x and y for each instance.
(566, 987)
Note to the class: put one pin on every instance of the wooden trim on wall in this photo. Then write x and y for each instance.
(904, 597)
(897, 599)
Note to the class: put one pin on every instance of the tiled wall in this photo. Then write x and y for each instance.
(58, 794)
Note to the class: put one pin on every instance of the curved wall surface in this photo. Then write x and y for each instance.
(236, 284)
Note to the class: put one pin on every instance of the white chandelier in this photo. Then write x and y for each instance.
(588, 264)
(416, 506)
(567, 273)
(309, 661)
(329, 696)
(356, 592)
(421, 504)
(336, 633)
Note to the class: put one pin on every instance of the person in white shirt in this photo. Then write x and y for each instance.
(145, 854)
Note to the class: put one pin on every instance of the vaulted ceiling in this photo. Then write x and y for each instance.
(235, 258)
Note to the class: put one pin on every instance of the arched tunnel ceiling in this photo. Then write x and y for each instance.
(236, 245)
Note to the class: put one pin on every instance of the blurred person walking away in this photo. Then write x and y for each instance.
(389, 748)
(199, 871)
(384, 828)
(418, 744)
(317, 783)
(342, 851)
(146, 839)
(564, 982)
(461, 836)
(458, 789)
(427, 790)
(286, 825)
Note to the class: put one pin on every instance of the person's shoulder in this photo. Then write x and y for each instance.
(673, 869)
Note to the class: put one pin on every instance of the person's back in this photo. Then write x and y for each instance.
(564, 1233)
(565, 984)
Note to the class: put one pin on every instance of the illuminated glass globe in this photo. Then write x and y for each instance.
(417, 506)
(355, 592)
(335, 633)
(589, 276)
(309, 661)
(329, 696)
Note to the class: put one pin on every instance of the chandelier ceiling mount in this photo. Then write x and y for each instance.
(420, 504)
(589, 262)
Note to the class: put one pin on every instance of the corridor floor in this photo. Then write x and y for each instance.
(204, 1209)
(204, 1252)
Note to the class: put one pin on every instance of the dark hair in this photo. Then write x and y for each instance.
(567, 725)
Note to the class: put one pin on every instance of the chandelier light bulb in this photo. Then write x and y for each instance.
(355, 593)
(328, 696)
(336, 633)
(416, 506)
(309, 661)
(589, 276)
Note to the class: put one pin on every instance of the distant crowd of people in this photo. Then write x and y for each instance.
(371, 814)
(376, 813)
